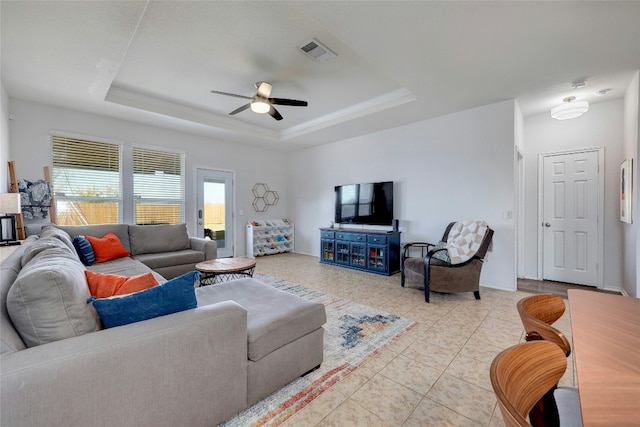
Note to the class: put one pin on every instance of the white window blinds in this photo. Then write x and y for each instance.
(158, 186)
(87, 181)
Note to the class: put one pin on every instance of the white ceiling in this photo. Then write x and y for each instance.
(397, 62)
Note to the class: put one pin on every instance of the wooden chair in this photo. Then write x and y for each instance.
(538, 313)
(524, 375)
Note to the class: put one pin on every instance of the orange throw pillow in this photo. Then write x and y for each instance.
(107, 247)
(107, 285)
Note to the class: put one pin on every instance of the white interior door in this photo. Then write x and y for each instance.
(215, 209)
(570, 229)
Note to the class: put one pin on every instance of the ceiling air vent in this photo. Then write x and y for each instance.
(316, 50)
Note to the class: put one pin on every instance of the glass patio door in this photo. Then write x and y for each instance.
(215, 209)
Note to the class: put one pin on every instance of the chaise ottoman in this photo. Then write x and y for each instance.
(284, 332)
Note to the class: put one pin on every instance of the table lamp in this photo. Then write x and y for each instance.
(9, 207)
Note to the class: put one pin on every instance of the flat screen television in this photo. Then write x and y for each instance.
(370, 203)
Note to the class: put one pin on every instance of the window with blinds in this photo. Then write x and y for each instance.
(158, 186)
(87, 181)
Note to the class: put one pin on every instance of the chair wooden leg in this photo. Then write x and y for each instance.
(402, 278)
(426, 279)
(426, 291)
(476, 294)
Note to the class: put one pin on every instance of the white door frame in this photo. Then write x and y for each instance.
(519, 215)
(600, 252)
(231, 222)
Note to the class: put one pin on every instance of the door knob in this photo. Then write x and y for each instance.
(546, 224)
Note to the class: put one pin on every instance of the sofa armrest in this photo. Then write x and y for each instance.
(186, 368)
(209, 247)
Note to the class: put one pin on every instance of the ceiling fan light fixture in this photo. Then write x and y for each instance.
(261, 102)
(259, 106)
(569, 109)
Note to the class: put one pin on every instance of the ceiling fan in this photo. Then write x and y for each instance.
(261, 103)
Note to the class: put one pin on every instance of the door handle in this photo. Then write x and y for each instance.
(546, 224)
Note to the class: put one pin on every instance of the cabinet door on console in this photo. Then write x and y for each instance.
(377, 253)
(327, 246)
(343, 249)
(358, 255)
(327, 250)
(377, 258)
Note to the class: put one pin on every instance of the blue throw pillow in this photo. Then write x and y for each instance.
(85, 250)
(170, 297)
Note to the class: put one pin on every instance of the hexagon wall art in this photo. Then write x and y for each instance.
(263, 197)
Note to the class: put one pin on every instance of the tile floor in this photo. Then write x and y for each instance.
(435, 375)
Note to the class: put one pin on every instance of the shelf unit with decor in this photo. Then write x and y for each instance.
(368, 250)
(269, 236)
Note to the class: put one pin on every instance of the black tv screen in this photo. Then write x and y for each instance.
(365, 203)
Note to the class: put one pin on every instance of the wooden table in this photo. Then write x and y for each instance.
(223, 269)
(606, 343)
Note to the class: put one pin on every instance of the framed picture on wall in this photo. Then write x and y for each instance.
(626, 182)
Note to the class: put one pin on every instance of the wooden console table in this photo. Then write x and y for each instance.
(606, 343)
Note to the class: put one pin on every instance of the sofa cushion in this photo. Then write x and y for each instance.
(51, 231)
(10, 341)
(168, 259)
(99, 230)
(125, 267)
(274, 317)
(170, 297)
(107, 247)
(103, 285)
(48, 247)
(47, 301)
(84, 250)
(152, 239)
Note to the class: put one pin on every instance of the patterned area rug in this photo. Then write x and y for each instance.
(353, 334)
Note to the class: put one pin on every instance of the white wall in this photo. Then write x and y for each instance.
(630, 148)
(31, 150)
(458, 166)
(600, 127)
(4, 139)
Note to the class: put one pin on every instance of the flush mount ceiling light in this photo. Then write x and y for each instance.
(569, 109)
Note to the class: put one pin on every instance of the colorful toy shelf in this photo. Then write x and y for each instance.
(271, 236)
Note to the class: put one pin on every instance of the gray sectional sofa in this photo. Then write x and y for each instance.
(196, 367)
(166, 249)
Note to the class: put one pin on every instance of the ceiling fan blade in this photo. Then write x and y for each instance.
(264, 89)
(294, 102)
(274, 113)
(237, 110)
(231, 94)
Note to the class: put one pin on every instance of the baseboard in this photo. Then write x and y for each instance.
(482, 285)
(530, 278)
